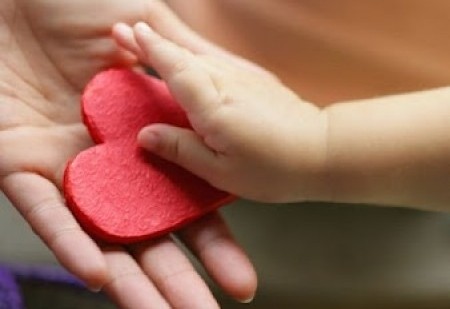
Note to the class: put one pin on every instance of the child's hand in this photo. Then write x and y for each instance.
(253, 136)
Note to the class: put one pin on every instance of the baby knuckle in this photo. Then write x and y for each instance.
(171, 148)
(180, 66)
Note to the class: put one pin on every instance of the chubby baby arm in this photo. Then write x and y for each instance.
(252, 136)
(392, 150)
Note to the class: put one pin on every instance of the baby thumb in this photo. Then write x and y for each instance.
(180, 146)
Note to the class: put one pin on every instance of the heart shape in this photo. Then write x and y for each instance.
(118, 192)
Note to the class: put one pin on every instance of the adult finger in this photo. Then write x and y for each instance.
(211, 241)
(42, 206)
(128, 285)
(173, 274)
(54, 147)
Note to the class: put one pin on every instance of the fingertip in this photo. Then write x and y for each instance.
(120, 25)
(247, 290)
(142, 28)
(148, 138)
(94, 274)
(97, 279)
(121, 30)
(181, 146)
(241, 283)
(145, 37)
(124, 37)
(223, 258)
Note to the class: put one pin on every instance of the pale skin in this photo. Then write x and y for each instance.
(42, 75)
(255, 138)
(49, 50)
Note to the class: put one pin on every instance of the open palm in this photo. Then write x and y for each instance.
(49, 49)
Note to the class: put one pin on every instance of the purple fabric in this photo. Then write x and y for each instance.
(49, 274)
(10, 291)
(10, 296)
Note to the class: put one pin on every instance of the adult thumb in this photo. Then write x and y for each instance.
(180, 146)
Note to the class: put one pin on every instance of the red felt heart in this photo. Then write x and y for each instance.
(118, 192)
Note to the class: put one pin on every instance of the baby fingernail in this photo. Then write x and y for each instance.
(143, 28)
(148, 138)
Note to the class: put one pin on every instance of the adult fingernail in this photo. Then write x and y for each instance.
(94, 289)
(247, 301)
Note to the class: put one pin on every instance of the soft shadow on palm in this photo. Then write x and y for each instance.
(49, 49)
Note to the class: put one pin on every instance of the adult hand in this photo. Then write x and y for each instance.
(49, 49)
